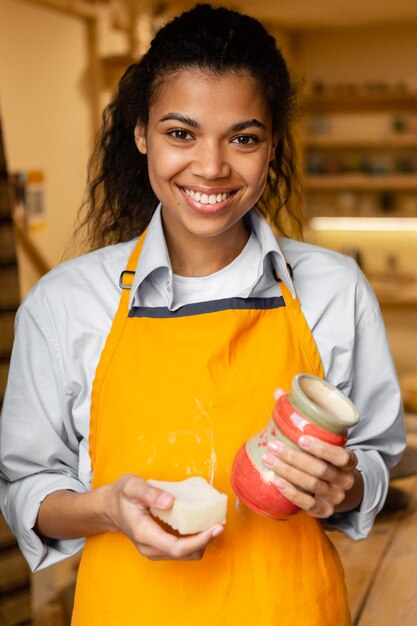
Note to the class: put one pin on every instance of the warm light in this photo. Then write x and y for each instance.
(364, 223)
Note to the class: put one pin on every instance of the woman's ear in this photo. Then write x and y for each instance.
(140, 138)
(275, 140)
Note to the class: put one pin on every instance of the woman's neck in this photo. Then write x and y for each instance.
(197, 256)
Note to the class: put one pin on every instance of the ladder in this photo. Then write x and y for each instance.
(15, 577)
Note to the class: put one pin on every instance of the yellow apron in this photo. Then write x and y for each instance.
(174, 396)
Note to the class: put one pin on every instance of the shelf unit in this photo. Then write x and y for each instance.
(361, 102)
(400, 141)
(378, 170)
(361, 182)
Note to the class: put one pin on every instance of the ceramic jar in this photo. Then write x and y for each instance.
(312, 407)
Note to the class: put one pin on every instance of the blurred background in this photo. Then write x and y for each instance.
(356, 65)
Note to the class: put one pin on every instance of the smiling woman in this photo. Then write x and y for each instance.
(185, 53)
(163, 375)
(209, 143)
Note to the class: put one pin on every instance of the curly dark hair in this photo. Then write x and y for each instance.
(120, 201)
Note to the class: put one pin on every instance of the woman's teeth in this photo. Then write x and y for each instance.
(204, 198)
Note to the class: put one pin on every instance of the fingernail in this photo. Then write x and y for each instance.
(278, 393)
(305, 442)
(275, 446)
(268, 459)
(280, 484)
(217, 531)
(164, 500)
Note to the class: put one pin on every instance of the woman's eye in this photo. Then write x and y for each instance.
(180, 134)
(245, 140)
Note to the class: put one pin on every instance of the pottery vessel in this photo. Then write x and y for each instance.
(312, 407)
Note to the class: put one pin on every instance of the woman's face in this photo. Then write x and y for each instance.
(208, 143)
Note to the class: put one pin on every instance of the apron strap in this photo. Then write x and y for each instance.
(113, 337)
(286, 294)
(127, 277)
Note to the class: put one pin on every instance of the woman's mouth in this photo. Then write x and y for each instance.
(208, 203)
(204, 198)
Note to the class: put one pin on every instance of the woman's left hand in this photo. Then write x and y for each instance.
(321, 478)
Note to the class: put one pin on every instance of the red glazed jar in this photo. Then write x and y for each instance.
(312, 407)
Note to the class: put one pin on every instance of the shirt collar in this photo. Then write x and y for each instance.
(154, 257)
(271, 248)
(156, 264)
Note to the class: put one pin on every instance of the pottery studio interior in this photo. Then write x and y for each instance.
(353, 65)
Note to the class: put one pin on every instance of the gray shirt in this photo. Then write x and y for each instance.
(63, 323)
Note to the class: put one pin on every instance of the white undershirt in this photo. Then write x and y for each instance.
(232, 281)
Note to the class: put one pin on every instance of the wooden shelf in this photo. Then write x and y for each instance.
(360, 103)
(113, 67)
(325, 142)
(344, 151)
(361, 182)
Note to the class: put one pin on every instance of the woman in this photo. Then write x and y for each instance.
(180, 362)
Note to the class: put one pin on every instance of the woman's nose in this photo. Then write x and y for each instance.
(210, 162)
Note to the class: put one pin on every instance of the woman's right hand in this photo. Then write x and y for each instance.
(129, 500)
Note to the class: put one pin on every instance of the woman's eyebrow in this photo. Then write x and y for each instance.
(188, 121)
(247, 124)
(178, 117)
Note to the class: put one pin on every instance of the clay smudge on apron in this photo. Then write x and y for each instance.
(208, 432)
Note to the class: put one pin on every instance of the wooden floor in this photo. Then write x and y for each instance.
(381, 571)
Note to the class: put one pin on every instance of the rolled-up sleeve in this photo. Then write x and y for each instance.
(379, 438)
(38, 442)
